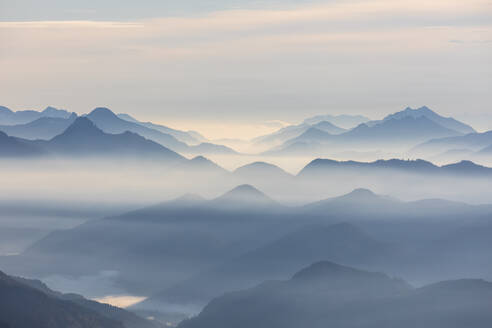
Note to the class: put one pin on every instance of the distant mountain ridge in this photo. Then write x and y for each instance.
(190, 137)
(293, 131)
(109, 122)
(83, 138)
(50, 122)
(405, 129)
(320, 166)
(424, 111)
(343, 121)
(42, 128)
(10, 117)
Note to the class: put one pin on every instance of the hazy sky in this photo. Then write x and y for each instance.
(237, 67)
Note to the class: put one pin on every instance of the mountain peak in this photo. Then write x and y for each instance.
(325, 270)
(361, 195)
(361, 192)
(245, 194)
(425, 112)
(82, 126)
(102, 112)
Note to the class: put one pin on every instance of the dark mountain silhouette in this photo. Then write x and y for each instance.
(319, 167)
(260, 171)
(15, 147)
(340, 242)
(109, 122)
(84, 138)
(330, 295)
(447, 122)
(9, 117)
(467, 167)
(42, 128)
(471, 141)
(127, 318)
(22, 306)
(190, 137)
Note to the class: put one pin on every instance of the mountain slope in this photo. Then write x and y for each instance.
(109, 122)
(324, 167)
(260, 171)
(83, 138)
(9, 117)
(187, 137)
(471, 141)
(128, 319)
(43, 128)
(340, 242)
(329, 295)
(447, 122)
(404, 132)
(22, 306)
(16, 147)
(343, 121)
(158, 245)
(293, 131)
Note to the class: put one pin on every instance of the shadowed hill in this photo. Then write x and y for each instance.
(277, 260)
(83, 137)
(326, 294)
(22, 306)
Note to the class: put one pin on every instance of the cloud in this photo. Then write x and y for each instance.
(276, 63)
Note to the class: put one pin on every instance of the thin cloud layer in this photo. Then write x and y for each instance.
(370, 57)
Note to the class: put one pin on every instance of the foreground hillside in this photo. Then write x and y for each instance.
(330, 295)
(28, 303)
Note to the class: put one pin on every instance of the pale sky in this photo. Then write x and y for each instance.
(235, 68)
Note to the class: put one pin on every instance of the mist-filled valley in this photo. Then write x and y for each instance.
(314, 224)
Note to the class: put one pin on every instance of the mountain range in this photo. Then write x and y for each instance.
(471, 142)
(344, 121)
(9, 117)
(326, 294)
(403, 129)
(319, 167)
(52, 122)
(84, 138)
(194, 249)
(28, 303)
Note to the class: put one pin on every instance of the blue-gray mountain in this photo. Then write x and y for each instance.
(83, 138)
(43, 128)
(29, 303)
(326, 294)
(9, 117)
(320, 167)
(52, 122)
(401, 130)
(232, 238)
